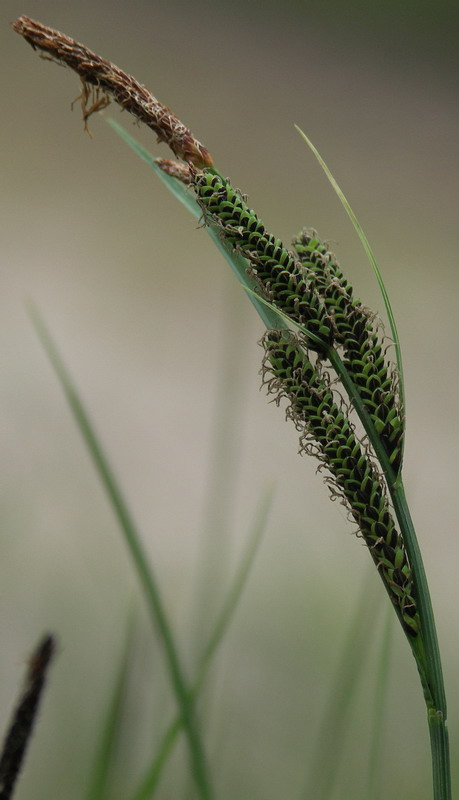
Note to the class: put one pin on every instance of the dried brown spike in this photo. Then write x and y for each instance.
(127, 92)
(175, 169)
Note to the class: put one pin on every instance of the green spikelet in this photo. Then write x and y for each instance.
(363, 353)
(278, 274)
(314, 410)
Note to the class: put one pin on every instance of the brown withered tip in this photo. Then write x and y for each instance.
(175, 169)
(106, 78)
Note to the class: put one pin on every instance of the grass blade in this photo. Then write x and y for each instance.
(237, 263)
(177, 188)
(371, 258)
(151, 779)
(109, 736)
(223, 471)
(133, 541)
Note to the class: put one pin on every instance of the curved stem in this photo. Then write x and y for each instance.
(429, 633)
(425, 646)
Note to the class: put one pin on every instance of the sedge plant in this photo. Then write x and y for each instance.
(324, 356)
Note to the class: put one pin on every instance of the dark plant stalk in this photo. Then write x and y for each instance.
(24, 717)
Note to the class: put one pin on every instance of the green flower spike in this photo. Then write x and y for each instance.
(354, 331)
(328, 433)
(280, 277)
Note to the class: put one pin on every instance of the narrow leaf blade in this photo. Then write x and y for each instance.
(370, 255)
(134, 544)
(237, 263)
(150, 781)
(109, 735)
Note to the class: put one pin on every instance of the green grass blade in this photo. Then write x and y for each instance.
(380, 698)
(237, 263)
(256, 533)
(371, 258)
(151, 779)
(178, 189)
(109, 736)
(223, 473)
(133, 541)
(332, 735)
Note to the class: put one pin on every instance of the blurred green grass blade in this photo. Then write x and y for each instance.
(375, 767)
(151, 779)
(237, 263)
(371, 258)
(133, 540)
(106, 748)
(226, 422)
(257, 530)
(332, 733)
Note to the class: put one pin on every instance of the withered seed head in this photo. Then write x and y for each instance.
(127, 92)
(175, 169)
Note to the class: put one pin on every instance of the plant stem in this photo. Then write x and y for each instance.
(425, 646)
(435, 696)
(429, 634)
(440, 755)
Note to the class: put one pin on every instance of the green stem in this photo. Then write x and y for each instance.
(428, 630)
(440, 755)
(435, 697)
(105, 751)
(425, 646)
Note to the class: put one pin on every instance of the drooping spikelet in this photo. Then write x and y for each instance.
(175, 169)
(355, 331)
(107, 78)
(279, 275)
(288, 372)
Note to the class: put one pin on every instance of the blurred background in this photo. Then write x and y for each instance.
(163, 347)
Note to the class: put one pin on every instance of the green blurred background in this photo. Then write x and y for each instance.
(163, 347)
